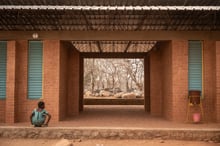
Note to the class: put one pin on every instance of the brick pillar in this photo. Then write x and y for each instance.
(165, 74)
(217, 81)
(51, 77)
(209, 79)
(10, 82)
(147, 83)
(155, 83)
(179, 79)
(73, 82)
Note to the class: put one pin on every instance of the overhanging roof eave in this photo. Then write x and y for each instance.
(111, 8)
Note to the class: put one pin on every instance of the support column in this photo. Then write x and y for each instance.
(155, 83)
(209, 80)
(179, 79)
(147, 83)
(81, 85)
(73, 82)
(10, 82)
(217, 81)
(51, 77)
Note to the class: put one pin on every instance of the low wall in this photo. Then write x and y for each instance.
(113, 101)
(110, 133)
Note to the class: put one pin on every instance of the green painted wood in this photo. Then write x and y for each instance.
(195, 65)
(35, 58)
(3, 68)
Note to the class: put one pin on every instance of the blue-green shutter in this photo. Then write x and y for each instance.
(35, 57)
(195, 65)
(3, 64)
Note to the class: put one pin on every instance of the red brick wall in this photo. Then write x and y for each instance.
(73, 82)
(64, 48)
(61, 66)
(10, 82)
(217, 103)
(24, 106)
(57, 59)
(209, 80)
(155, 83)
(166, 77)
(51, 74)
(2, 110)
(179, 79)
(169, 79)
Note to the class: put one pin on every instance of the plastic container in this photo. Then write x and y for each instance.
(196, 117)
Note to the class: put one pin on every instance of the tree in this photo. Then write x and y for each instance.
(113, 73)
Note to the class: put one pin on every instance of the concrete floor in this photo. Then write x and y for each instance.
(132, 116)
(121, 116)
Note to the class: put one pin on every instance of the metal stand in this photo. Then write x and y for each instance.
(193, 105)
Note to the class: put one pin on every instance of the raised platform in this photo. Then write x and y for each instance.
(110, 133)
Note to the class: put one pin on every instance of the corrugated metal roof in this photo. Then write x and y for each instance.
(112, 15)
(99, 20)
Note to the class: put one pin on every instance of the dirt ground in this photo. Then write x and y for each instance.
(46, 142)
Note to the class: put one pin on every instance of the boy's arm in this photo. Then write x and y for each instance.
(32, 114)
(48, 119)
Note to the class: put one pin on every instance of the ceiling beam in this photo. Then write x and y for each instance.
(111, 35)
(113, 55)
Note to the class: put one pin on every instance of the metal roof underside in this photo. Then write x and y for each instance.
(112, 15)
(109, 19)
(114, 46)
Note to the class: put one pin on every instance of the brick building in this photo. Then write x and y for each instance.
(43, 44)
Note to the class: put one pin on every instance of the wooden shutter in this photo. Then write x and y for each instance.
(3, 64)
(195, 65)
(35, 57)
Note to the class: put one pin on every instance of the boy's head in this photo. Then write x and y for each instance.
(41, 104)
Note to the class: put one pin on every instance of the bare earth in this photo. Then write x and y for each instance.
(46, 142)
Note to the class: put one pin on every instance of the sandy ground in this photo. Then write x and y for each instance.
(44, 142)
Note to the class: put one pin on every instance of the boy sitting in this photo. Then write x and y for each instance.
(39, 116)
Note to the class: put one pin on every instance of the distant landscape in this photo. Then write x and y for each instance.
(115, 78)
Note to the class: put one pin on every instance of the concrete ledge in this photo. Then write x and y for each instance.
(110, 133)
(113, 101)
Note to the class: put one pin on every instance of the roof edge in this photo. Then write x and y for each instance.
(110, 8)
